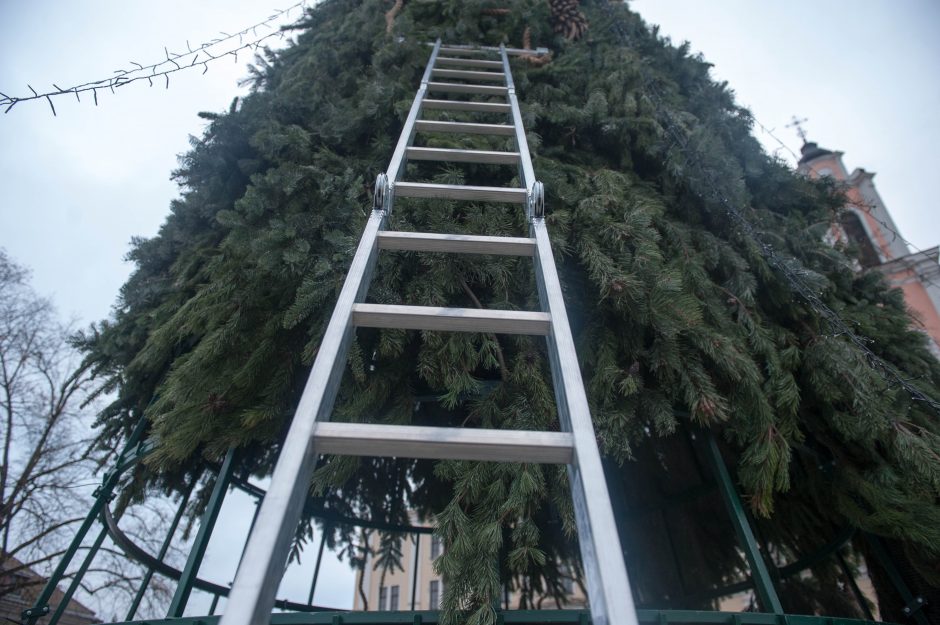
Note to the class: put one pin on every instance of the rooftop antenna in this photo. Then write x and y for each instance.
(798, 124)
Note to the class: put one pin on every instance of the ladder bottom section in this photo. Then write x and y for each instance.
(462, 156)
(470, 128)
(408, 441)
(456, 243)
(450, 319)
(466, 105)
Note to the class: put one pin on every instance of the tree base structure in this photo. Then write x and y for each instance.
(529, 617)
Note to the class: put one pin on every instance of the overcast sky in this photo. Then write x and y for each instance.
(77, 187)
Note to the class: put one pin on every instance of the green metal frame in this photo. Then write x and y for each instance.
(761, 579)
(102, 496)
(530, 617)
(77, 580)
(206, 525)
(145, 582)
(763, 583)
(913, 603)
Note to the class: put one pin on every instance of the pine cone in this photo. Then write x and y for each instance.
(567, 19)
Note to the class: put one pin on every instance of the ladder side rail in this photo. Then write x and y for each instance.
(399, 157)
(254, 591)
(607, 583)
(527, 172)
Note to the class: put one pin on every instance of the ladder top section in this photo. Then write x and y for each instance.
(467, 50)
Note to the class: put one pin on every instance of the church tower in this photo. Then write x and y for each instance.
(867, 225)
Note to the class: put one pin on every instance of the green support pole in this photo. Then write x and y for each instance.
(913, 606)
(316, 568)
(760, 576)
(856, 591)
(215, 604)
(206, 524)
(135, 604)
(251, 528)
(414, 573)
(41, 606)
(77, 580)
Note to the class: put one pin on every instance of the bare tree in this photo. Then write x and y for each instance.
(49, 461)
(45, 460)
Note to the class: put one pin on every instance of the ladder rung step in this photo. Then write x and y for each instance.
(450, 319)
(462, 156)
(461, 51)
(472, 128)
(412, 441)
(453, 87)
(469, 62)
(470, 75)
(515, 195)
(456, 243)
(464, 105)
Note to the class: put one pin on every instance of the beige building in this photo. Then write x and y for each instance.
(424, 587)
(396, 590)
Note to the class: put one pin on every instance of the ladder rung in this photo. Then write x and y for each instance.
(450, 319)
(411, 441)
(472, 128)
(462, 156)
(469, 62)
(515, 195)
(453, 87)
(456, 243)
(461, 51)
(470, 75)
(464, 105)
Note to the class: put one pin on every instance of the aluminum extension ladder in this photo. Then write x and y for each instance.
(311, 433)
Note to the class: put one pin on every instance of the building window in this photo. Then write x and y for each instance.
(434, 598)
(435, 547)
(383, 599)
(393, 603)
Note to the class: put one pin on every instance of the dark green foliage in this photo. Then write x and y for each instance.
(675, 310)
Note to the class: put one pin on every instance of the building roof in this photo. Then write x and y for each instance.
(21, 586)
(811, 150)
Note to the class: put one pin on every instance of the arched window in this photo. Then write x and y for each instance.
(858, 238)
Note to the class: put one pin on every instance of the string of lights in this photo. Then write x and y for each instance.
(791, 273)
(770, 132)
(228, 44)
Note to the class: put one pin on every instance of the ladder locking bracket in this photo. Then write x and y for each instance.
(381, 194)
(536, 201)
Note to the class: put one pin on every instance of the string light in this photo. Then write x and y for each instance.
(200, 56)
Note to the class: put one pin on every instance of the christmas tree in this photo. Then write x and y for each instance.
(701, 293)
